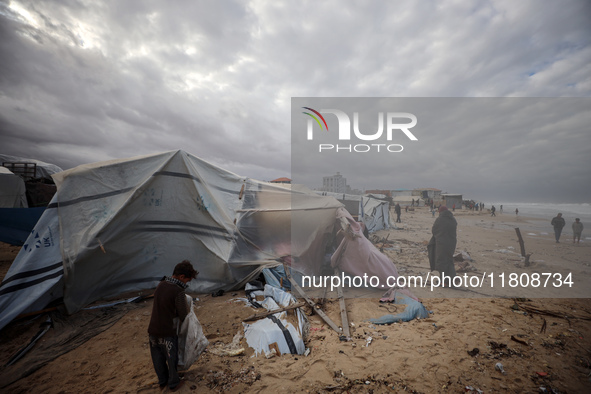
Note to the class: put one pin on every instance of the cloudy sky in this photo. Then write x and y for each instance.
(84, 81)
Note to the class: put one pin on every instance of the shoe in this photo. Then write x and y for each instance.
(177, 387)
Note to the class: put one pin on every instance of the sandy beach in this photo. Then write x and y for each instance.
(542, 339)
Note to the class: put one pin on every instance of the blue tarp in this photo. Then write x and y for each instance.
(17, 223)
(414, 310)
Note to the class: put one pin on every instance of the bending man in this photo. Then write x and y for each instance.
(169, 303)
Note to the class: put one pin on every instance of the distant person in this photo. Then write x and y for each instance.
(577, 230)
(492, 211)
(398, 210)
(453, 208)
(558, 223)
(516, 211)
(501, 209)
(442, 245)
(169, 303)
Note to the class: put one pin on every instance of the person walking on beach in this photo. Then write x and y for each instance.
(169, 303)
(492, 211)
(398, 210)
(442, 245)
(501, 209)
(558, 223)
(516, 211)
(577, 230)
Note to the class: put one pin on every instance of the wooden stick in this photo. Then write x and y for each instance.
(384, 243)
(258, 316)
(343, 305)
(276, 347)
(315, 307)
(521, 244)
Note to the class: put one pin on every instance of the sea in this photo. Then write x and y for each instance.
(548, 211)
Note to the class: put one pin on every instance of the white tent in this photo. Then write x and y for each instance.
(350, 201)
(42, 169)
(374, 213)
(12, 190)
(121, 225)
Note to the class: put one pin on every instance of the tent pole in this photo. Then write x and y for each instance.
(343, 305)
(315, 307)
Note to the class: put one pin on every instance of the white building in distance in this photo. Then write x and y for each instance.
(335, 184)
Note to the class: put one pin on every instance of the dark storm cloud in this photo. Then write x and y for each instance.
(86, 81)
(516, 149)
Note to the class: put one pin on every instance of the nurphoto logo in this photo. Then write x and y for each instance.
(393, 126)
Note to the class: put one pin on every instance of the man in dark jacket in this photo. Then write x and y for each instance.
(558, 223)
(442, 245)
(398, 210)
(169, 303)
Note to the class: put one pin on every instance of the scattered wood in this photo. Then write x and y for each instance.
(544, 312)
(274, 346)
(258, 316)
(522, 246)
(384, 243)
(343, 305)
(519, 340)
(315, 307)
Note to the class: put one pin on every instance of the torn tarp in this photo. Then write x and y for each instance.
(277, 328)
(414, 310)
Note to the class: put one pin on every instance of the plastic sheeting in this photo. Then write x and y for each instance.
(276, 329)
(357, 256)
(35, 278)
(414, 310)
(374, 213)
(123, 224)
(192, 340)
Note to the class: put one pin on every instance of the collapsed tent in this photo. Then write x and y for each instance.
(372, 210)
(276, 329)
(120, 225)
(374, 213)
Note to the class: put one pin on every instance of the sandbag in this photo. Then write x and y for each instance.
(192, 341)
